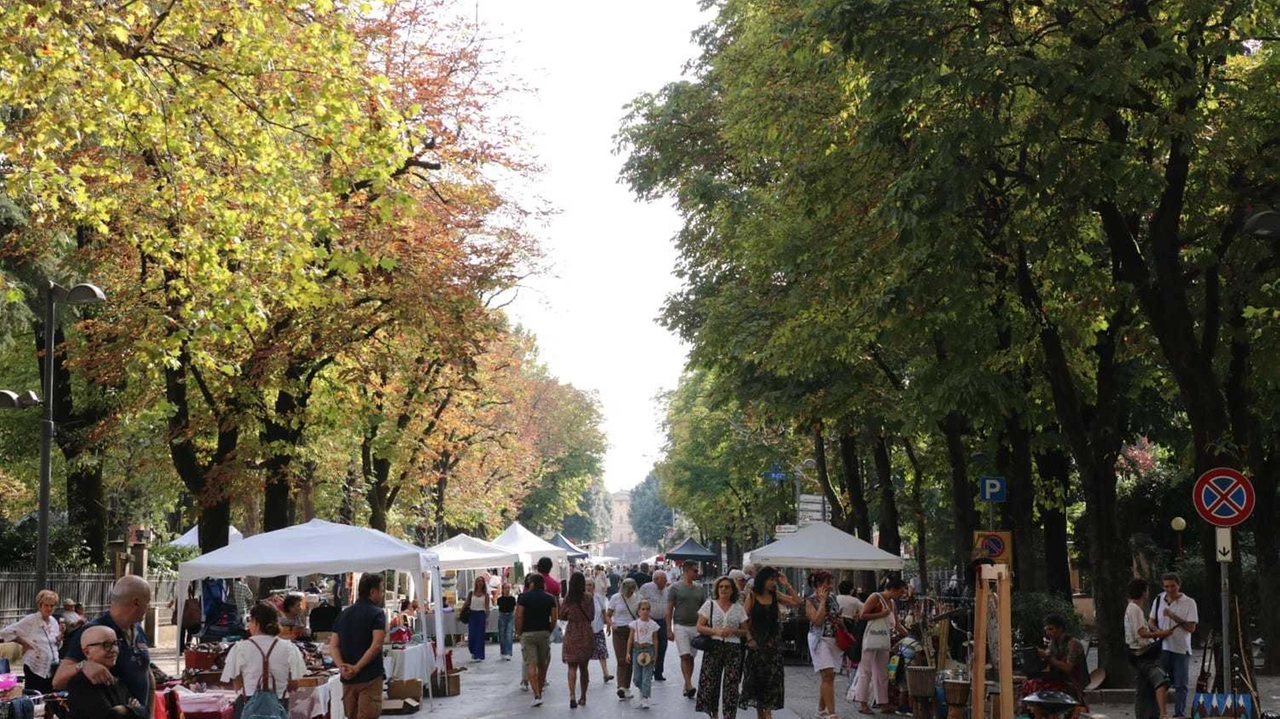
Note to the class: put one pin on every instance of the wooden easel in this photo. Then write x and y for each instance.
(999, 574)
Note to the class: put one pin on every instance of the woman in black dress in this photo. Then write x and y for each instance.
(762, 675)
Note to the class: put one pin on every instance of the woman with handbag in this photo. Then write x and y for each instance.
(477, 609)
(721, 628)
(578, 610)
(762, 673)
(823, 613)
(624, 608)
(881, 617)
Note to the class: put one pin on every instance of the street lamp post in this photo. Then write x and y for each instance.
(1178, 525)
(81, 294)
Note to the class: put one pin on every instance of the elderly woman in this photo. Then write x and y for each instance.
(601, 651)
(39, 635)
(624, 608)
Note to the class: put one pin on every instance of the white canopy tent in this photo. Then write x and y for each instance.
(529, 546)
(467, 552)
(318, 547)
(192, 537)
(821, 545)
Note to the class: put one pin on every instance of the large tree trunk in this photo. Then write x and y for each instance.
(858, 519)
(1014, 458)
(890, 537)
(917, 512)
(1055, 469)
(824, 476)
(953, 428)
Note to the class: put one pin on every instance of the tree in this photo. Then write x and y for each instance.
(594, 519)
(648, 515)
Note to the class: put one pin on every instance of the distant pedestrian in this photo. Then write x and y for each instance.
(881, 617)
(536, 614)
(600, 582)
(1149, 699)
(71, 619)
(642, 577)
(762, 673)
(1176, 617)
(723, 620)
(823, 612)
(506, 621)
(683, 602)
(356, 648)
(641, 655)
(624, 608)
(242, 596)
(478, 615)
(552, 584)
(601, 651)
(656, 593)
(38, 634)
(578, 610)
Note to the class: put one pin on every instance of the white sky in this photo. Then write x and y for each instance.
(610, 256)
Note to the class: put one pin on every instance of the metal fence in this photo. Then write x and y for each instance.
(90, 588)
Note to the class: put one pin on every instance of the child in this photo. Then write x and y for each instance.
(642, 641)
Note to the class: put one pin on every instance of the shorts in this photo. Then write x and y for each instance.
(364, 700)
(684, 638)
(1150, 672)
(535, 648)
(824, 652)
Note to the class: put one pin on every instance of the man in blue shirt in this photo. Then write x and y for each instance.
(356, 648)
(130, 599)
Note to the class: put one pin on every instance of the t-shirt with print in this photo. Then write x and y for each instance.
(245, 661)
(688, 598)
(537, 611)
(720, 618)
(642, 632)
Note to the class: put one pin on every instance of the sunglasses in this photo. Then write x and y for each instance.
(105, 646)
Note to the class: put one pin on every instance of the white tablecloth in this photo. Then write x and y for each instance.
(415, 661)
(335, 698)
(311, 702)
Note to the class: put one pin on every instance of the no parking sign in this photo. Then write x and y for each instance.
(1224, 497)
(996, 546)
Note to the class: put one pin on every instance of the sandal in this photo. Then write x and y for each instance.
(573, 704)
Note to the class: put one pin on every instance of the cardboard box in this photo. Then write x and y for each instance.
(314, 680)
(443, 685)
(405, 689)
(400, 706)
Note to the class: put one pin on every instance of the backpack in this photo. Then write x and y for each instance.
(264, 704)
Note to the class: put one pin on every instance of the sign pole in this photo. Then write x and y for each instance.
(1225, 568)
(1224, 498)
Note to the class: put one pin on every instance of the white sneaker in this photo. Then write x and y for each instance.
(537, 702)
(644, 703)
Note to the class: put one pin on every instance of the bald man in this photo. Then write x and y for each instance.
(101, 701)
(130, 598)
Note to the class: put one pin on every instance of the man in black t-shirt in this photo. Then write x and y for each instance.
(536, 614)
(641, 575)
(356, 648)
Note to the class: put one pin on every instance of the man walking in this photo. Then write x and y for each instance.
(1152, 684)
(1174, 616)
(683, 603)
(655, 592)
(550, 584)
(641, 576)
(536, 614)
(356, 648)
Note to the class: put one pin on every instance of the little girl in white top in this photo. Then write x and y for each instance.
(642, 641)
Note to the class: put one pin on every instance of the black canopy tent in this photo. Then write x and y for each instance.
(690, 550)
(572, 550)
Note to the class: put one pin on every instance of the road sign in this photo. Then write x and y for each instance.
(777, 474)
(780, 529)
(813, 508)
(993, 489)
(996, 546)
(1224, 497)
(1224, 543)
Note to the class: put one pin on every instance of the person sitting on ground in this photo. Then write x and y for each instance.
(1064, 668)
(109, 700)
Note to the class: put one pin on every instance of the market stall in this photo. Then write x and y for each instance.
(690, 551)
(817, 546)
(192, 537)
(573, 551)
(529, 546)
(467, 552)
(320, 547)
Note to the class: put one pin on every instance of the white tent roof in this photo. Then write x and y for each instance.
(823, 546)
(467, 552)
(192, 537)
(528, 545)
(317, 547)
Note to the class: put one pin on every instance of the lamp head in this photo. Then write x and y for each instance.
(85, 294)
(14, 400)
(1265, 225)
(1178, 524)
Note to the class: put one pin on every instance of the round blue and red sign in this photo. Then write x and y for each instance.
(1224, 497)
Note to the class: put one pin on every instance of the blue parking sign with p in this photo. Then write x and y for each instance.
(993, 489)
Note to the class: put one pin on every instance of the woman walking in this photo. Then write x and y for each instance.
(823, 612)
(478, 606)
(882, 621)
(506, 622)
(723, 619)
(39, 635)
(601, 650)
(578, 610)
(624, 608)
(762, 674)
(642, 650)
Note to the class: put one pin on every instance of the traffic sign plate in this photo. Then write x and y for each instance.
(993, 489)
(1224, 497)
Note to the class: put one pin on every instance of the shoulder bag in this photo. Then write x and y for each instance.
(877, 634)
(702, 642)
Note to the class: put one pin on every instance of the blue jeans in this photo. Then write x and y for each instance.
(506, 632)
(642, 677)
(1178, 668)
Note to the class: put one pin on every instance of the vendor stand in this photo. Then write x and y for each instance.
(817, 546)
(320, 547)
(529, 548)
